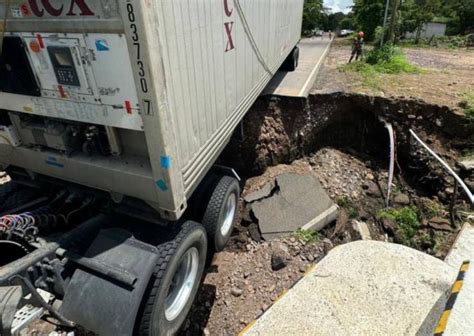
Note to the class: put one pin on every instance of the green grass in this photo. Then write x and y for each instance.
(407, 220)
(388, 60)
(379, 63)
(467, 103)
(308, 236)
(346, 203)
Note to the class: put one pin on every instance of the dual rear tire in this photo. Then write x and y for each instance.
(178, 272)
(221, 211)
(292, 61)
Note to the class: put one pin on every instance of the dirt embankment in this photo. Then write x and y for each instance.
(342, 139)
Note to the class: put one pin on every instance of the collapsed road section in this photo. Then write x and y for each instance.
(341, 140)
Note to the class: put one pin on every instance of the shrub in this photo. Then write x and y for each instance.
(467, 103)
(407, 220)
(390, 60)
(385, 60)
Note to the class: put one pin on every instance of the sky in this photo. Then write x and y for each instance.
(339, 5)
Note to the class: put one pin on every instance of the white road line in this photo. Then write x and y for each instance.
(304, 91)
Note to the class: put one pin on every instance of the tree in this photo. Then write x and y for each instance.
(461, 14)
(313, 14)
(393, 21)
(368, 16)
(416, 13)
(335, 19)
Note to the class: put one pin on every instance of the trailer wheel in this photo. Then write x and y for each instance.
(174, 282)
(292, 61)
(221, 211)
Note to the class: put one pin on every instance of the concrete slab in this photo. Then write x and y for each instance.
(363, 288)
(299, 82)
(299, 202)
(461, 319)
(265, 191)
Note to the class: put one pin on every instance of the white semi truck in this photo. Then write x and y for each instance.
(112, 115)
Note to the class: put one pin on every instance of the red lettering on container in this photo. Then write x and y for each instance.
(53, 11)
(230, 42)
(228, 12)
(85, 10)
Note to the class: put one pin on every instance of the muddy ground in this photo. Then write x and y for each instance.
(338, 134)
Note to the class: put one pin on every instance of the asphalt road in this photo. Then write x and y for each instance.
(299, 82)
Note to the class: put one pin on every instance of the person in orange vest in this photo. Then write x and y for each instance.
(357, 47)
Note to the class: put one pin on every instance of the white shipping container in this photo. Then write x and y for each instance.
(169, 79)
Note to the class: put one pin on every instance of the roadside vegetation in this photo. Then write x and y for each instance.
(407, 220)
(447, 42)
(346, 203)
(380, 62)
(307, 236)
(386, 60)
(467, 103)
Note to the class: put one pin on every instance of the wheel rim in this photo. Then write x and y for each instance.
(230, 208)
(182, 284)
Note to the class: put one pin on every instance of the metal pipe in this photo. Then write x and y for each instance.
(392, 161)
(445, 165)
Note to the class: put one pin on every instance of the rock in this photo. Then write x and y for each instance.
(370, 177)
(235, 291)
(328, 245)
(278, 262)
(246, 275)
(440, 224)
(389, 225)
(279, 258)
(372, 189)
(341, 222)
(362, 229)
(271, 288)
(206, 332)
(467, 164)
(401, 199)
(449, 191)
(470, 183)
(242, 238)
(255, 232)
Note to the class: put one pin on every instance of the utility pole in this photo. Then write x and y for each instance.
(393, 22)
(384, 30)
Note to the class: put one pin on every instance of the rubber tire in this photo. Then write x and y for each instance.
(292, 61)
(215, 211)
(151, 320)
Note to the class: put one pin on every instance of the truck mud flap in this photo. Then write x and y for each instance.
(100, 303)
